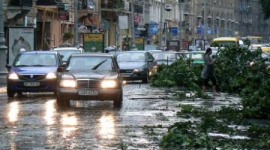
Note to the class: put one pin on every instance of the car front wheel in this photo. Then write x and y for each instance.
(146, 78)
(117, 102)
(10, 93)
(62, 101)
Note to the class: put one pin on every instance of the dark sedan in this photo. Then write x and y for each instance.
(90, 76)
(136, 65)
(33, 71)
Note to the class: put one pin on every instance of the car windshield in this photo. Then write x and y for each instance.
(195, 56)
(99, 63)
(223, 43)
(131, 57)
(67, 53)
(35, 59)
(164, 56)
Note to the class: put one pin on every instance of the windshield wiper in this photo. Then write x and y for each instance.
(96, 66)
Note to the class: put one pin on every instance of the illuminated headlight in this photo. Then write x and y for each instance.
(68, 83)
(108, 84)
(138, 70)
(13, 76)
(51, 76)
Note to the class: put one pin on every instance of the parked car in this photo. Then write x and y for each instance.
(65, 52)
(197, 57)
(136, 65)
(154, 51)
(90, 76)
(166, 57)
(33, 71)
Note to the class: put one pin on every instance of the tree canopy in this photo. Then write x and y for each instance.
(265, 8)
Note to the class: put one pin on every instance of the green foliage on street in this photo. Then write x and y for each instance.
(238, 71)
(181, 73)
(265, 8)
(195, 134)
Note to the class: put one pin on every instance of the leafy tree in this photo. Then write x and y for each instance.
(265, 8)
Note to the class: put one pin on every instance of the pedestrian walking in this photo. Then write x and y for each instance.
(208, 71)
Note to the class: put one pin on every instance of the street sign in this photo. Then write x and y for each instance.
(200, 30)
(174, 30)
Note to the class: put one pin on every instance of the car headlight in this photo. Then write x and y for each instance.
(68, 83)
(108, 84)
(13, 76)
(51, 76)
(138, 70)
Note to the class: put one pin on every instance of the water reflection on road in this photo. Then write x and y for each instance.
(35, 121)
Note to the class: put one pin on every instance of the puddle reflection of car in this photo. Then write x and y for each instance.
(136, 65)
(166, 57)
(90, 76)
(65, 52)
(33, 71)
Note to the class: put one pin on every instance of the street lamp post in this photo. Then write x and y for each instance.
(180, 24)
(3, 48)
(2, 35)
(161, 22)
(76, 41)
(132, 25)
(204, 22)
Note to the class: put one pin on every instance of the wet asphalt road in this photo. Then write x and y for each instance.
(34, 121)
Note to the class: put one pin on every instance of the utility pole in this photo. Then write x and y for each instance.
(2, 34)
(76, 41)
(143, 12)
(3, 48)
(161, 22)
(180, 24)
(132, 25)
(204, 22)
(213, 20)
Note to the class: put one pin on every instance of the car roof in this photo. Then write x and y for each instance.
(92, 54)
(135, 51)
(38, 52)
(225, 39)
(67, 48)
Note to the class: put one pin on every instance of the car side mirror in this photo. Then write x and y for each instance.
(8, 67)
(61, 68)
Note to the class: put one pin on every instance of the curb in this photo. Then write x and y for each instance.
(3, 90)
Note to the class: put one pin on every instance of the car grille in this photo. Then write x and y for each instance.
(126, 71)
(32, 77)
(88, 84)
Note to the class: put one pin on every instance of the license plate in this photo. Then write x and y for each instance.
(88, 92)
(31, 84)
(125, 75)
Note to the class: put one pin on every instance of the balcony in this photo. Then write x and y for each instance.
(47, 2)
(114, 4)
(21, 3)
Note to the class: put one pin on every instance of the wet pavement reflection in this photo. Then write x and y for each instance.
(34, 121)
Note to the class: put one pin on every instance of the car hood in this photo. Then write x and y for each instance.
(33, 70)
(131, 65)
(94, 74)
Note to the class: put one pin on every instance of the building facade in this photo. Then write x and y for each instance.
(192, 19)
